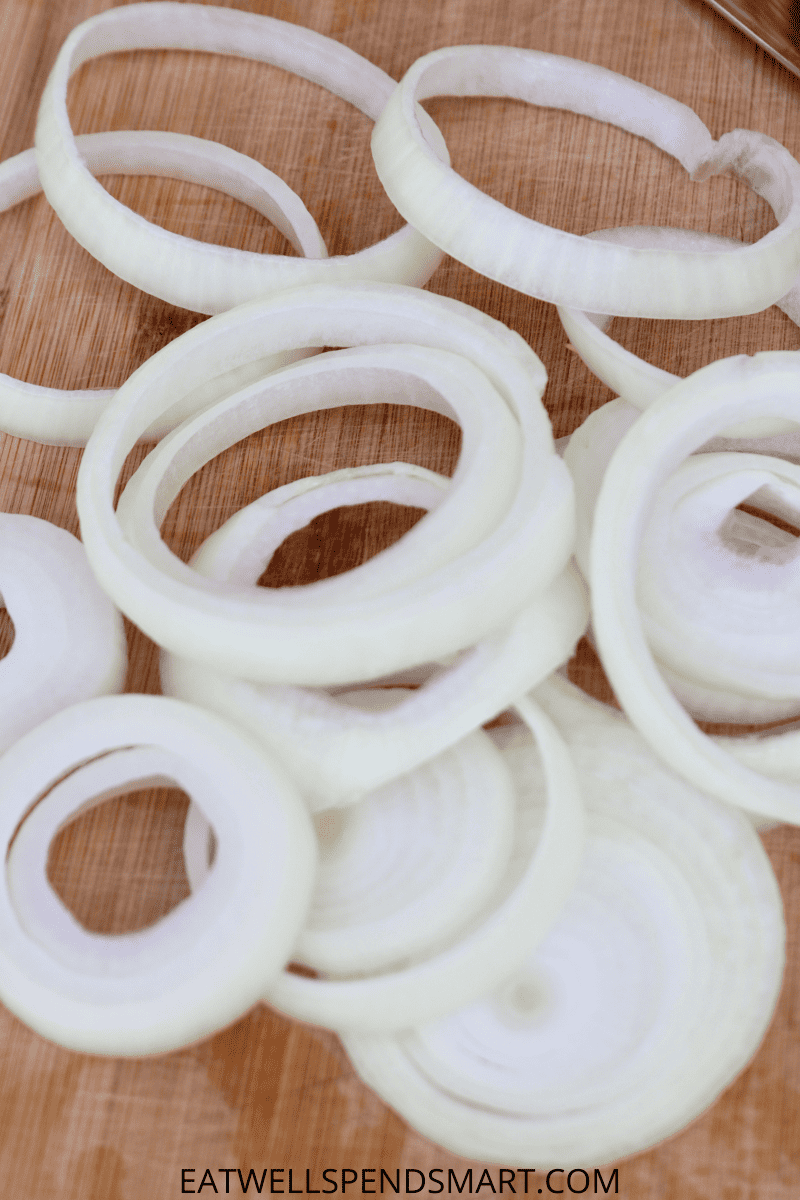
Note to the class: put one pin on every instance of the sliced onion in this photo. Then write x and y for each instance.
(564, 268)
(630, 377)
(69, 641)
(672, 428)
(196, 275)
(406, 867)
(334, 751)
(491, 946)
(264, 634)
(151, 991)
(650, 993)
(66, 418)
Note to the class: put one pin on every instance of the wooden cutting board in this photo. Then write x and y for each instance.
(270, 1093)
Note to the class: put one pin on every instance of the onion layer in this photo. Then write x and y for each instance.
(203, 964)
(564, 268)
(195, 275)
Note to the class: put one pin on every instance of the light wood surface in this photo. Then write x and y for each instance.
(269, 1092)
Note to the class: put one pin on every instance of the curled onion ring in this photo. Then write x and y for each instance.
(337, 752)
(69, 641)
(650, 993)
(269, 638)
(195, 275)
(673, 427)
(153, 990)
(565, 268)
(66, 418)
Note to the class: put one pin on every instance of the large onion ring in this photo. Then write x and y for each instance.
(196, 275)
(254, 635)
(565, 268)
(206, 962)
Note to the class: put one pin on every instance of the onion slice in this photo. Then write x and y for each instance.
(151, 991)
(650, 993)
(672, 428)
(269, 638)
(491, 946)
(337, 752)
(56, 417)
(564, 268)
(196, 275)
(69, 640)
(406, 867)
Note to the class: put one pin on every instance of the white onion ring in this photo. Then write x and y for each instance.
(598, 1048)
(69, 641)
(408, 866)
(268, 638)
(490, 947)
(336, 752)
(59, 417)
(565, 268)
(191, 274)
(153, 990)
(666, 433)
(630, 377)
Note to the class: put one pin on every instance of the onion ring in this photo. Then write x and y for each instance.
(564, 268)
(151, 991)
(268, 638)
(195, 275)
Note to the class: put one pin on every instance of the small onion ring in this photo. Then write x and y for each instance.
(564, 268)
(683, 419)
(56, 417)
(630, 377)
(154, 990)
(489, 949)
(334, 751)
(196, 275)
(69, 641)
(253, 635)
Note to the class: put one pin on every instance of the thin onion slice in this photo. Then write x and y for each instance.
(651, 992)
(337, 752)
(153, 990)
(57, 417)
(196, 275)
(269, 638)
(564, 268)
(630, 377)
(672, 428)
(492, 945)
(69, 641)
(406, 867)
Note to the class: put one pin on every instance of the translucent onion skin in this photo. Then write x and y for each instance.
(196, 275)
(207, 961)
(651, 992)
(69, 641)
(673, 427)
(253, 635)
(564, 268)
(56, 417)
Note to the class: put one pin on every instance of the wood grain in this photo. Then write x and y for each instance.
(269, 1092)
